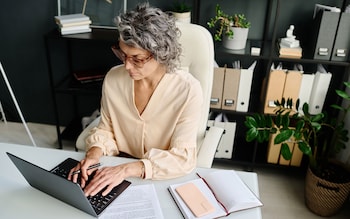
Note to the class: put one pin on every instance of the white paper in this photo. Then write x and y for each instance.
(137, 202)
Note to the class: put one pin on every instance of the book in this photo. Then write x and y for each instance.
(71, 24)
(66, 32)
(70, 18)
(224, 189)
(289, 52)
(72, 28)
(89, 76)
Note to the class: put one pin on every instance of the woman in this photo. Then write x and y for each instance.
(150, 110)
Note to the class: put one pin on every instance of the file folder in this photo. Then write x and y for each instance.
(305, 90)
(245, 85)
(273, 150)
(225, 147)
(342, 41)
(319, 92)
(218, 86)
(274, 90)
(292, 86)
(230, 91)
(296, 157)
(325, 23)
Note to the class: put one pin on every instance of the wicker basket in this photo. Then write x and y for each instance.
(322, 197)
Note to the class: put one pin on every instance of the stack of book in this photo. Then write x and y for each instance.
(73, 23)
(286, 51)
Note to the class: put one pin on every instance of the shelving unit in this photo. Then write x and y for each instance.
(251, 154)
(269, 23)
(79, 55)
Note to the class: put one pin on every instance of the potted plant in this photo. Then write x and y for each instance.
(319, 137)
(232, 29)
(181, 11)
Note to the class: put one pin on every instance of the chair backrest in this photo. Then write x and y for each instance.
(198, 56)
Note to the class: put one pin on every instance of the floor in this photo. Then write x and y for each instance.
(281, 190)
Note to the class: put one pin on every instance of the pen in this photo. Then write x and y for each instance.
(89, 168)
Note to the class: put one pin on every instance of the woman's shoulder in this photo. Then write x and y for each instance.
(116, 73)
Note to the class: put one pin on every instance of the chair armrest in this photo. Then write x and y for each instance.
(208, 148)
(80, 143)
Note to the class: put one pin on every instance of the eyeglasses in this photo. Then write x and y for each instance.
(135, 60)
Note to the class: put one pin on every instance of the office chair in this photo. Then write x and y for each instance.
(198, 57)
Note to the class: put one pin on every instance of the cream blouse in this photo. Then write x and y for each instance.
(164, 135)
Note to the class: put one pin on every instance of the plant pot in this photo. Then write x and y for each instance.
(239, 40)
(323, 197)
(184, 17)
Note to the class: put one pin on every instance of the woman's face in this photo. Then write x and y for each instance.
(138, 62)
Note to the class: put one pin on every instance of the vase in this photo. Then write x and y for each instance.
(239, 39)
(184, 17)
(323, 197)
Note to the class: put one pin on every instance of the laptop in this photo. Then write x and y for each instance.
(61, 188)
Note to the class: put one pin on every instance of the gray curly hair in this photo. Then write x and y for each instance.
(151, 29)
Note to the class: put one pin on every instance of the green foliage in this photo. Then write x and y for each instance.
(225, 21)
(317, 136)
(181, 7)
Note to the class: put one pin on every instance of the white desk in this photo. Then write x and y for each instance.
(19, 200)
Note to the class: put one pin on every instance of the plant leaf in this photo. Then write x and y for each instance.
(305, 148)
(283, 136)
(285, 151)
(252, 134)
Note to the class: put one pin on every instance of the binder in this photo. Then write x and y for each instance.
(225, 147)
(218, 86)
(274, 89)
(245, 85)
(319, 91)
(292, 85)
(296, 157)
(342, 41)
(230, 91)
(305, 90)
(273, 150)
(325, 23)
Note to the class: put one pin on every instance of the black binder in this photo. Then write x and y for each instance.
(342, 41)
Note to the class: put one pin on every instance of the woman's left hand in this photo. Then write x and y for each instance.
(108, 177)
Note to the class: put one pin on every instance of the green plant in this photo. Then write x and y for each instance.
(181, 7)
(317, 136)
(225, 22)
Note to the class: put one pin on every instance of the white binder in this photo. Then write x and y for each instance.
(319, 91)
(245, 85)
(305, 90)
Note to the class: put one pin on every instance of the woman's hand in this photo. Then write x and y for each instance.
(109, 177)
(92, 157)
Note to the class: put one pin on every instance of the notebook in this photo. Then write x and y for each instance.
(59, 187)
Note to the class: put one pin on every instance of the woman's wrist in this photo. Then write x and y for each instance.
(94, 153)
(135, 169)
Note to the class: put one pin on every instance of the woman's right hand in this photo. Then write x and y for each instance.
(92, 157)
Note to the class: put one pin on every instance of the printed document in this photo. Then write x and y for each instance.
(137, 202)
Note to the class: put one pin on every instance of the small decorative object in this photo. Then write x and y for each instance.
(233, 30)
(319, 137)
(289, 46)
(182, 12)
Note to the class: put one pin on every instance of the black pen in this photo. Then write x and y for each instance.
(89, 168)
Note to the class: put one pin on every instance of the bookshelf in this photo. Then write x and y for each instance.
(269, 23)
(275, 20)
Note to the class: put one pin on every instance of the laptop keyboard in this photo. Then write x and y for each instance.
(98, 201)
